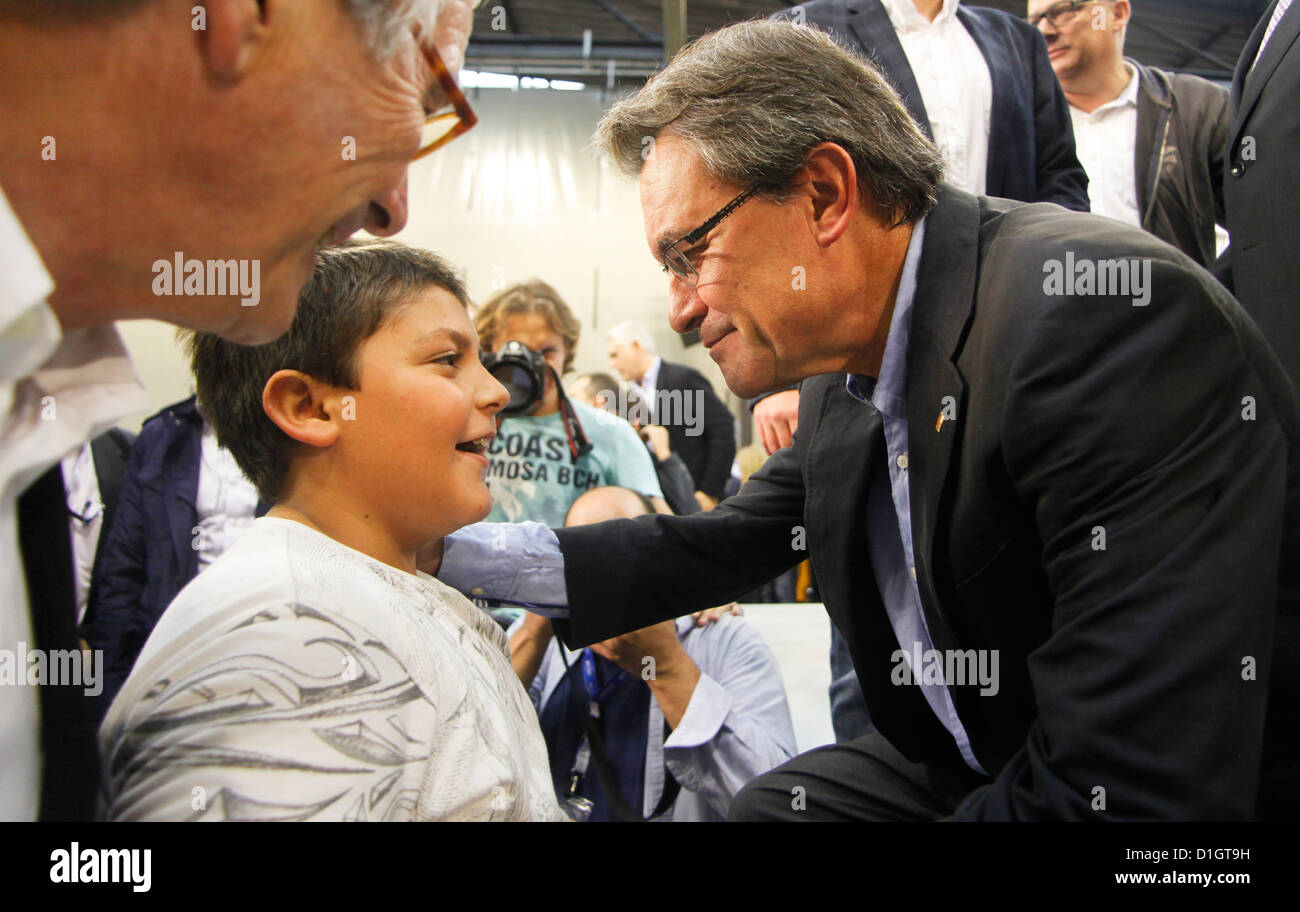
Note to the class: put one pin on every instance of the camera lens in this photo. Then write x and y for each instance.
(520, 383)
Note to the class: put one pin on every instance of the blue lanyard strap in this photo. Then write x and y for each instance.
(595, 692)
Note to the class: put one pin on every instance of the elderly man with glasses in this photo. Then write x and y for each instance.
(1055, 519)
(181, 161)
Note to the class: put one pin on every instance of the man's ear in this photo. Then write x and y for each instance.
(232, 34)
(831, 181)
(304, 408)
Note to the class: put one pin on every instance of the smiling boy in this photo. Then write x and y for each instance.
(312, 672)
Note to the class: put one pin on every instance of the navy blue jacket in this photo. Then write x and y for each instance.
(148, 556)
(1031, 137)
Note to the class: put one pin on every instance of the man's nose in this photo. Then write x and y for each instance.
(387, 214)
(685, 309)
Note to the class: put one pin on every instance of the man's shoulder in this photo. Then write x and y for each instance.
(679, 373)
(987, 18)
(1190, 92)
(725, 640)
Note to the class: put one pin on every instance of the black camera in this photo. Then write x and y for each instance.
(522, 372)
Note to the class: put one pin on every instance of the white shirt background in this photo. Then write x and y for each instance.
(85, 518)
(1106, 141)
(226, 501)
(56, 392)
(955, 85)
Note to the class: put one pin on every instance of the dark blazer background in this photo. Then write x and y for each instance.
(708, 455)
(147, 556)
(1262, 195)
(69, 755)
(1031, 137)
(1182, 125)
(1121, 667)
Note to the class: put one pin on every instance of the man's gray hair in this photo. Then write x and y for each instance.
(623, 333)
(753, 98)
(387, 22)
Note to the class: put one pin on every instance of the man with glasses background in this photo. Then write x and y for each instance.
(1152, 142)
(135, 132)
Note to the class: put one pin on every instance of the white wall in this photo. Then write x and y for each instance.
(522, 195)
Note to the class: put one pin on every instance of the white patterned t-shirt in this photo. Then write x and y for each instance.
(297, 678)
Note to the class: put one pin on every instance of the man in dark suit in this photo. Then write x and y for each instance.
(54, 561)
(1045, 513)
(1030, 145)
(700, 428)
(1262, 187)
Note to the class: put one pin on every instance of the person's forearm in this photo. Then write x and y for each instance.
(527, 647)
(672, 686)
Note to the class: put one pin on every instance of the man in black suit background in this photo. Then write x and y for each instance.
(1045, 506)
(700, 427)
(1261, 190)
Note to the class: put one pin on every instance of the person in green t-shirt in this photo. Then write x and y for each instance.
(533, 473)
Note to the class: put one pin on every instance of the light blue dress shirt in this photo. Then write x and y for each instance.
(889, 505)
(522, 562)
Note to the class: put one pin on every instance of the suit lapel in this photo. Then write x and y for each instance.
(1248, 83)
(936, 391)
(874, 31)
(1004, 90)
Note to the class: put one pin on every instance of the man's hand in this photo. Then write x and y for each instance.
(630, 651)
(777, 418)
(451, 32)
(713, 615)
(705, 501)
(655, 655)
(657, 437)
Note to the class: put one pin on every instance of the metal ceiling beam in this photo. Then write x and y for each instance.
(622, 17)
(674, 27)
(1185, 45)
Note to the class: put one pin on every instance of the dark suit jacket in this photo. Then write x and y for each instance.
(69, 755)
(709, 454)
(1182, 124)
(1075, 416)
(148, 555)
(1262, 193)
(1031, 137)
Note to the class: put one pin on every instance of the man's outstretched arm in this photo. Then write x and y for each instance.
(630, 573)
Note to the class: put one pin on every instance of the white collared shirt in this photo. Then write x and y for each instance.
(85, 518)
(1106, 141)
(649, 384)
(56, 392)
(225, 503)
(955, 86)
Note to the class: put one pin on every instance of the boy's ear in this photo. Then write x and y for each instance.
(231, 33)
(303, 407)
